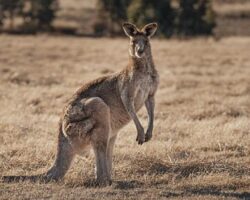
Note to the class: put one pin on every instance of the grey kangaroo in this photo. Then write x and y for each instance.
(99, 109)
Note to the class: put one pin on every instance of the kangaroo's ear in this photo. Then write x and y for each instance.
(129, 29)
(150, 29)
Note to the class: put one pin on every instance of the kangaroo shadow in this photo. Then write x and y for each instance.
(123, 185)
(126, 185)
(207, 191)
(192, 169)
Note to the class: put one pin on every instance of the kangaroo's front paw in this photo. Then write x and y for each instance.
(148, 136)
(140, 136)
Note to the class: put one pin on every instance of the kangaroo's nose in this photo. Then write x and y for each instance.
(140, 51)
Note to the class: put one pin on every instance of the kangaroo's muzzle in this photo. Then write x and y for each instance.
(139, 50)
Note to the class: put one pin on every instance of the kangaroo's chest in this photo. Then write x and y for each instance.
(146, 86)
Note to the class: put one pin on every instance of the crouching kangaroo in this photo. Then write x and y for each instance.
(99, 109)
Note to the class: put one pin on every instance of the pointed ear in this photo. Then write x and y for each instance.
(129, 29)
(150, 29)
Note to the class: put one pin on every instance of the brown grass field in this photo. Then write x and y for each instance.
(201, 143)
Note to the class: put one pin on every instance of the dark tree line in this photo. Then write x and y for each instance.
(175, 17)
(35, 14)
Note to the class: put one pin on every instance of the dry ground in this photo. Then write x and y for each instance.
(201, 143)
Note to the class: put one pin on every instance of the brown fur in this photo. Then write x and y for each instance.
(99, 109)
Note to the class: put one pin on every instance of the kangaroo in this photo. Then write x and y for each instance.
(99, 109)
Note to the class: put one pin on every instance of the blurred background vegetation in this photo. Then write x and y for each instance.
(181, 18)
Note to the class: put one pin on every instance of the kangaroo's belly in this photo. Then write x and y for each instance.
(141, 97)
(119, 117)
(118, 113)
(144, 88)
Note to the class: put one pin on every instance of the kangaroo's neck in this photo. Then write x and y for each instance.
(143, 64)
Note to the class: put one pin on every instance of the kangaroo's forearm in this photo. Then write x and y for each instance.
(150, 105)
(129, 105)
(131, 111)
(128, 101)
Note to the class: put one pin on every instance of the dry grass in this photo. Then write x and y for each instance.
(200, 148)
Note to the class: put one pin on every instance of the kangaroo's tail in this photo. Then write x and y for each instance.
(61, 165)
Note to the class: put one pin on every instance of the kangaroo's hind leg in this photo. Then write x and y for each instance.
(99, 137)
(88, 122)
(111, 144)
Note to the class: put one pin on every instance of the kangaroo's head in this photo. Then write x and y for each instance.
(139, 38)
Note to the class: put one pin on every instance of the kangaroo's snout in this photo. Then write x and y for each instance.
(139, 49)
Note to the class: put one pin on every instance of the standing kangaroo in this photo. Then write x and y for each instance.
(99, 109)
